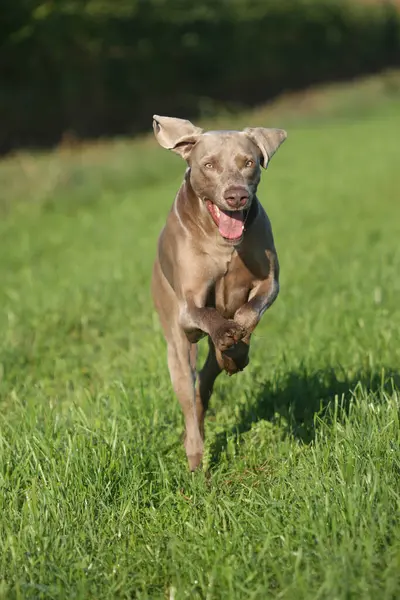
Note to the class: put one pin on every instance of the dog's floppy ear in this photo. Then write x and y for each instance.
(268, 141)
(178, 135)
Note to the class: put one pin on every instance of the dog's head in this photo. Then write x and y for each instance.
(225, 166)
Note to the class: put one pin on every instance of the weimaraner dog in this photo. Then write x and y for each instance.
(217, 269)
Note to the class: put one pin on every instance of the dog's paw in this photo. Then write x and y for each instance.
(232, 363)
(194, 451)
(229, 365)
(195, 461)
(229, 334)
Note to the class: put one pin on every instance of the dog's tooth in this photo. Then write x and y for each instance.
(217, 211)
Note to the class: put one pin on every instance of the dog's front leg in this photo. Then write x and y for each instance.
(196, 320)
(262, 296)
(236, 358)
(229, 338)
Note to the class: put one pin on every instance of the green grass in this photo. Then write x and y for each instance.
(300, 493)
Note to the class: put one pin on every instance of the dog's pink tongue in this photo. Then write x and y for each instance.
(231, 224)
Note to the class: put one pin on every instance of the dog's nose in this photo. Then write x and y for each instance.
(236, 196)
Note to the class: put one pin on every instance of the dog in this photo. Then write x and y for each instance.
(216, 271)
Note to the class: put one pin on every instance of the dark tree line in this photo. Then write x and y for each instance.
(99, 67)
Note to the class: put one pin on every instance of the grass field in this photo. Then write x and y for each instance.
(300, 493)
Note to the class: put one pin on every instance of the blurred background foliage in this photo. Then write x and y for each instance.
(92, 68)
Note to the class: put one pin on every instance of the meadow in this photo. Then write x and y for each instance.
(299, 496)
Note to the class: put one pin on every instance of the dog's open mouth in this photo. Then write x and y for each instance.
(230, 223)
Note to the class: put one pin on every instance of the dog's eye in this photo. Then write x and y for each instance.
(209, 165)
(249, 163)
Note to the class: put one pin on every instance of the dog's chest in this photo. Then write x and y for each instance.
(232, 288)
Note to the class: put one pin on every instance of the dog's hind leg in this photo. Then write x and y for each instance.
(181, 363)
(183, 374)
(205, 384)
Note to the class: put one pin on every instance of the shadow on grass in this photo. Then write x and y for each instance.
(298, 397)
